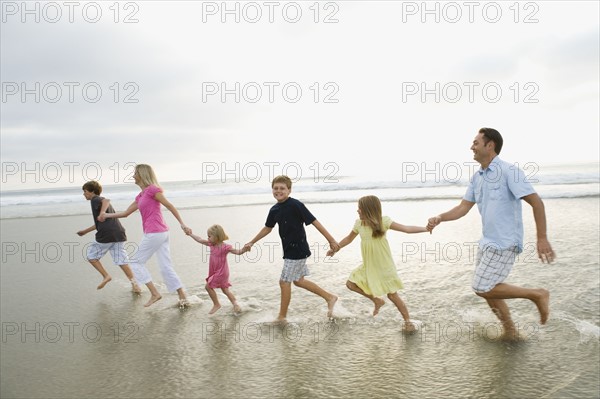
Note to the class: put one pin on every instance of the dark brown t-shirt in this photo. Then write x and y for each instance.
(110, 230)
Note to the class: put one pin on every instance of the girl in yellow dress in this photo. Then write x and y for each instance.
(377, 274)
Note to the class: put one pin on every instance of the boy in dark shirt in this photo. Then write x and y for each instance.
(291, 215)
(110, 236)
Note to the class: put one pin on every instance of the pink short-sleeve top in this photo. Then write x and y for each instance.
(152, 218)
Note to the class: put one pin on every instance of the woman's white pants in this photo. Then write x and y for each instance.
(155, 243)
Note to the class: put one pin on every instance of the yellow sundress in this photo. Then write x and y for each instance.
(377, 274)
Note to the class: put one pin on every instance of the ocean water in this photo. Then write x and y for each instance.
(62, 338)
(414, 182)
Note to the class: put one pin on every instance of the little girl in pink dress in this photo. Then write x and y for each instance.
(218, 269)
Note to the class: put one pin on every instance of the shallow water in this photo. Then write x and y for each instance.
(61, 338)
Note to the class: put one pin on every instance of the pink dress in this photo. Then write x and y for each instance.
(218, 269)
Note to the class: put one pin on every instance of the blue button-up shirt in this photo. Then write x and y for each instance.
(498, 190)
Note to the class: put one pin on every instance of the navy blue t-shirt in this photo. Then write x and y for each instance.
(291, 216)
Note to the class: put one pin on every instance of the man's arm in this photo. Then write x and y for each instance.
(545, 252)
(453, 214)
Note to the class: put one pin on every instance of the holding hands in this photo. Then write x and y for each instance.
(334, 248)
(433, 222)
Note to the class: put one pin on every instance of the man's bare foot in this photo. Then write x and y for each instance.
(215, 308)
(237, 308)
(543, 305)
(409, 327)
(104, 282)
(511, 335)
(279, 321)
(330, 304)
(153, 298)
(378, 304)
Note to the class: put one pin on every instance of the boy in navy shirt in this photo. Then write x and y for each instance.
(291, 215)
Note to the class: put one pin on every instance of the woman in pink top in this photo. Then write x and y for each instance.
(218, 269)
(156, 234)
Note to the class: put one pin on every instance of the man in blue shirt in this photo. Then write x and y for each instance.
(498, 188)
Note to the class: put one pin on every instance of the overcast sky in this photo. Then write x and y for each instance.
(363, 86)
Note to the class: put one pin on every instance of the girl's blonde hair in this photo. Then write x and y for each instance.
(370, 208)
(217, 231)
(146, 174)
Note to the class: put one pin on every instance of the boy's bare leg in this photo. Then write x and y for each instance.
(213, 296)
(315, 289)
(98, 266)
(134, 286)
(231, 297)
(286, 297)
(539, 296)
(154, 294)
(377, 301)
(395, 298)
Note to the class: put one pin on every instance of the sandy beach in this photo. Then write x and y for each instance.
(56, 325)
(347, 99)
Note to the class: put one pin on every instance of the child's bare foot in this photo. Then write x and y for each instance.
(104, 282)
(135, 288)
(215, 308)
(543, 305)
(330, 304)
(378, 304)
(153, 298)
(409, 327)
(280, 321)
(237, 308)
(183, 303)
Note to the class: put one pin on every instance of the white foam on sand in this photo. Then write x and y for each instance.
(340, 312)
(587, 331)
(251, 304)
(417, 323)
(168, 302)
(194, 300)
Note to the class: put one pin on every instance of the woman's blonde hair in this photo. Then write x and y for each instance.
(370, 208)
(146, 174)
(217, 231)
